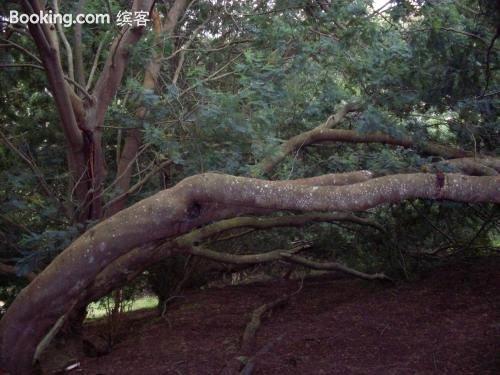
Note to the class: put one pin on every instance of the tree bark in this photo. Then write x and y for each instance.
(127, 267)
(174, 212)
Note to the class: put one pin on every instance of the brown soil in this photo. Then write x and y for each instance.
(445, 323)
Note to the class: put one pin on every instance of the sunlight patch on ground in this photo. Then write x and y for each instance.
(97, 309)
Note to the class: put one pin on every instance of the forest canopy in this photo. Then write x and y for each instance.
(366, 132)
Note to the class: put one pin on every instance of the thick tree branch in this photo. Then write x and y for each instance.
(293, 144)
(127, 267)
(133, 138)
(173, 16)
(324, 133)
(180, 209)
(111, 76)
(52, 64)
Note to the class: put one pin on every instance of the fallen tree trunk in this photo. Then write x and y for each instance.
(176, 211)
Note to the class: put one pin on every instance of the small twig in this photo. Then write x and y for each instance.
(31, 164)
(39, 67)
(139, 184)
(20, 48)
(94, 64)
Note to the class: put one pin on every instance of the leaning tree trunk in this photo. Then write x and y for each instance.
(175, 211)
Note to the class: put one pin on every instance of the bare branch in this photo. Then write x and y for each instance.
(274, 222)
(242, 259)
(67, 47)
(486, 166)
(324, 133)
(183, 50)
(31, 164)
(333, 266)
(12, 44)
(48, 52)
(78, 47)
(94, 64)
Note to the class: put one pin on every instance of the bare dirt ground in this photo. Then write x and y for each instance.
(445, 323)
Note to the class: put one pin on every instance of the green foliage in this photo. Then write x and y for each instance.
(252, 77)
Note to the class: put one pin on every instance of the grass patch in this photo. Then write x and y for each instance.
(97, 310)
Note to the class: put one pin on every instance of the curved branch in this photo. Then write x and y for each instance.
(180, 209)
(325, 133)
(273, 222)
(321, 134)
(12, 44)
(267, 257)
(333, 266)
(128, 266)
(67, 46)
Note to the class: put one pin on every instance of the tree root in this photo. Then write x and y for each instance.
(245, 363)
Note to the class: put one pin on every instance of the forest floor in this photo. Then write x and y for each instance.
(447, 322)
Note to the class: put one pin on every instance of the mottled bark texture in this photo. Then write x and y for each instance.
(176, 211)
(127, 267)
